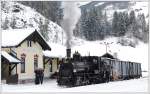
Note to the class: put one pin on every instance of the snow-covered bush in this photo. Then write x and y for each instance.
(126, 41)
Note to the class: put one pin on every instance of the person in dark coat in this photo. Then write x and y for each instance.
(41, 75)
(107, 76)
(37, 76)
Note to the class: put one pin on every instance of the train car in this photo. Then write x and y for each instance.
(134, 69)
(85, 70)
(139, 70)
(127, 70)
(120, 70)
(130, 70)
(116, 70)
(124, 72)
(108, 62)
(135, 75)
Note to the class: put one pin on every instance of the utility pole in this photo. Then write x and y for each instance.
(106, 44)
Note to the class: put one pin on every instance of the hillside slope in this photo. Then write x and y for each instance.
(16, 15)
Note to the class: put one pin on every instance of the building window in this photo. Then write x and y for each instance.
(50, 63)
(29, 43)
(57, 60)
(23, 56)
(35, 62)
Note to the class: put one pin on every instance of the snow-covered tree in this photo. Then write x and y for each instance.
(115, 25)
(107, 25)
(50, 9)
(93, 24)
(5, 25)
(13, 22)
(132, 24)
(43, 28)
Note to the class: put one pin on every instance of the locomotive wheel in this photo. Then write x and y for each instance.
(78, 81)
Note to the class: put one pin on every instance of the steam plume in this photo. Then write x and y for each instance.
(71, 16)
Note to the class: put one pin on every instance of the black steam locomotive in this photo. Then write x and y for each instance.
(85, 70)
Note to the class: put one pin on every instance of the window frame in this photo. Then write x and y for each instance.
(23, 66)
(29, 43)
(35, 62)
(51, 64)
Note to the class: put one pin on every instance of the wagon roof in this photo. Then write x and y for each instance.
(107, 55)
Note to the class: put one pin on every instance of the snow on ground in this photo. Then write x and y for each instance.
(144, 74)
(133, 85)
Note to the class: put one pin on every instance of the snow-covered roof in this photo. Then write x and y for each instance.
(58, 51)
(13, 37)
(10, 58)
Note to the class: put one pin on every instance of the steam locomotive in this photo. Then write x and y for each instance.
(86, 70)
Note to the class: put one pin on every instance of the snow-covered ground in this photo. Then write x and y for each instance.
(133, 85)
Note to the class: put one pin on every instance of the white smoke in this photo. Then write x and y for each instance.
(72, 14)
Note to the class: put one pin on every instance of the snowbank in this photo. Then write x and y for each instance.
(134, 85)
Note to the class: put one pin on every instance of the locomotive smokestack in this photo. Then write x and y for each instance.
(68, 50)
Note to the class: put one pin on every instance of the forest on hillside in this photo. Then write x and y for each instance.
(94, 23)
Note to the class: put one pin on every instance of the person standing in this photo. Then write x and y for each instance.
(41, 73)
(107, 76)
(37, 77)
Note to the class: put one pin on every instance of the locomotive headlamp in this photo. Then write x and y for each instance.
(74, 70)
